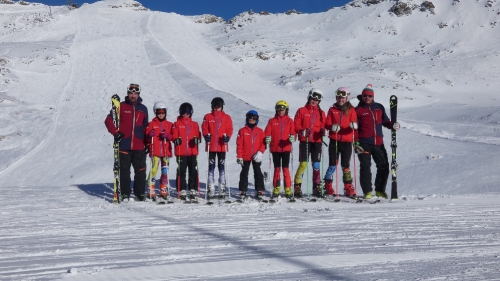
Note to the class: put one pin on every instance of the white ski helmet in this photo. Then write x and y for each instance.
(315, 94)
(159, 105)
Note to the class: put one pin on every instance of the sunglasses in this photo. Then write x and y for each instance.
(134, 88)
(280, 107)
(316, 96)
(253, 117)
(367, 96)
(161, 111)
(342, 94)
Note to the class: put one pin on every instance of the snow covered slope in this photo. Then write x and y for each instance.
(59, 68)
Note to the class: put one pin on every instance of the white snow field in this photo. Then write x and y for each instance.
(59, 68)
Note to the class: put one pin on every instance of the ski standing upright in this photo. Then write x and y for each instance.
(394, 165)
(115, 114)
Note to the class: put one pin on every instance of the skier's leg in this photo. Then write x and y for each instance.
(382, 162)
(365, 173)
(243, 184)
(164, 176)
(258, 176)
(139, 164)
(125, 163)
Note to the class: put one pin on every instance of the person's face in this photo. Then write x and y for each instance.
(251, 121)
(314, 102)
(282, 112)
(368, 99)
(133, 96)
(185, 115)
(160, 114)
(217, 108)
(341, 100)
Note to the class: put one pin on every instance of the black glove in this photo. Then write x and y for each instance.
(208, 138)
(196, 140)
(146, 149)
(118, 136)
(178, 141)
(225, 138)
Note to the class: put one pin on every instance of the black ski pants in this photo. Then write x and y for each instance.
(379, 155)
(137, 159)
(257, 175)
(344, 149)
(190, 164)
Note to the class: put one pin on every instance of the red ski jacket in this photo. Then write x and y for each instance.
(160, 147)
(310, 117)
(249, 141)
(371, 118)
(187, 130)
(337, 116)
(280, 128)
(217, 123)
(133, 122)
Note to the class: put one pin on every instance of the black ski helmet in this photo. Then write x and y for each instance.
(186, 108)
(218, 101)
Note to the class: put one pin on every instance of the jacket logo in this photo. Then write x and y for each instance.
(366, 113)
(127, 111)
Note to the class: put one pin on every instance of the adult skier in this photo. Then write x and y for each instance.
(369, 143)
(217, 129)
(186, 137)
(250, 146)
(130, 134)
(159, 132)
(309, 125)
(341, 121)
(280, 134)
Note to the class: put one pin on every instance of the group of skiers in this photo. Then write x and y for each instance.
(347, 128)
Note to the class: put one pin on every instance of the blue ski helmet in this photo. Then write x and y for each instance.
(252, 114)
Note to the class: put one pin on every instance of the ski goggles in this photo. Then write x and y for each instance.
(134, 88)
(252, 116)
(161, 111)
(280, 107)
(342, 94)
(316, 96)
(185, 111)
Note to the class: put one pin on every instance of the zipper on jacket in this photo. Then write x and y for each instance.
(374, 126)
(133, 129)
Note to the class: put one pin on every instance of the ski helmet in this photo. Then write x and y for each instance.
(315, 94)
(159, 105)
(134, 88)
(343, 92)
(252, 114)
(217, 102)
(186, 108)
(281, 105)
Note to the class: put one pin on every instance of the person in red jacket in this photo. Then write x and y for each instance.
(341, 121)
(280, 134)
(369, 143)
(309, 125)
(130, 135)
(217, 129)
(159, 132)
(186, 135)
(250, 146)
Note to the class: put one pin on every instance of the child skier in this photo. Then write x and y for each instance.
(186, 137)
(217, 129)
(341, 121)
(249, 150)
(309, 125)
(280, 134)
(159, 132)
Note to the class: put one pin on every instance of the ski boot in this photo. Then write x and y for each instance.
(211, 191)
(317, 192)
(298, 190)
(381, 194)
(193, 196)
(349, 191)
(125, 198)
(276, 192)
(183, 195)
(288, 192)
(329, 188)
(368, 195)
(163, 191)
(141, 197)
(243, 197)
(222, 190)
(346, 175)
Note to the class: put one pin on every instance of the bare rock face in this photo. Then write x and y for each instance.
(427, 6)
(403, 9)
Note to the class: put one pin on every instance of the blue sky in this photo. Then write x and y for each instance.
(225, 8)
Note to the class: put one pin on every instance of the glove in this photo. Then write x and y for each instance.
(239, 161)
(208, 138)
(396, 126)
(152, 133)
(225, 138)
(196, 140)
(305, 132)
(118, 136)
(353, 125)
(291, 138)
(165, 135)
(335, 127)
(146, 149)
(257, 157)
(178, 141)
(357, 148)
(268, 139)
(323, 132)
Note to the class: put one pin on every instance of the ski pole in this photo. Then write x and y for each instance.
(307, 167)
(291, 165)
(336, 164)
(322, 167)
(198, 177)
(354, 160)
(178, 172)
(151, 179)
(269, 169)
(208, 169)
(228, 186)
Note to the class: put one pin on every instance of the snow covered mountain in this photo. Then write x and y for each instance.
(59, 68)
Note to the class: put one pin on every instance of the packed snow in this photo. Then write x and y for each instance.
(60, 67)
